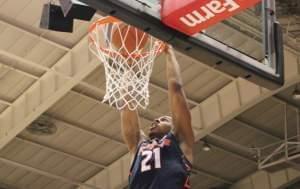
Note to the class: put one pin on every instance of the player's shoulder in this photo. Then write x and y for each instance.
(172, 135)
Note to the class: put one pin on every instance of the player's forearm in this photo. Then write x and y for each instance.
(177, 101)
(176, 94)
(181, 116)
(130, 128)
(173, 69)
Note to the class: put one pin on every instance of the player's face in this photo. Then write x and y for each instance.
(160, 127)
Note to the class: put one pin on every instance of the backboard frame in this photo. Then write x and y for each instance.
(204, 48)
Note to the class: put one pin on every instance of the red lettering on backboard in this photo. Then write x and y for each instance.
(192, 16)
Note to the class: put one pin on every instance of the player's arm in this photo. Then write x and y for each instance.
(178, 105)
(130, 128)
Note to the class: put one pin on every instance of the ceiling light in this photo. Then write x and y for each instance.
(42, 126)
(206, 147)
(296, 94)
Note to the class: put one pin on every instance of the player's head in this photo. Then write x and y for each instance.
(160, 126)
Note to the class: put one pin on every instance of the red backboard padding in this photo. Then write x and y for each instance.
(192, 16)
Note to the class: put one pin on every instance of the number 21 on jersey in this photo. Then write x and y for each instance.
(148, 156)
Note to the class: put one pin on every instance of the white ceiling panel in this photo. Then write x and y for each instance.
(94, 114)
(58, 185)
(13, 84)
(6, 170)
(189, 69)
(41, 51)
(107, 153)
(8, 37)
(88, 114)
(108, 125)
(259, 109)
(16, 175)
(267, 115)
(19, 88)
(204, 85)
(217, 161)
(202, 182)
(247, 136)
(14, 8)
(30, 47)
(66, 104)
(4, 70)
(81, 144)
(2, 1)
(21, 178)
(54, 55)
(158, 101)
(89, 147)
(96, 78)
(238, 40)
(199, 80)
(2, 27)
(80, 109)
(49, 161)
(23, 45)
(40, 183)
(206, 91)
(27, 179)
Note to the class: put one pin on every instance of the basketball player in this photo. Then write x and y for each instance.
(163, 159)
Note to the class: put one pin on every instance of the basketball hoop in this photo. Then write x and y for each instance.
(128, 55)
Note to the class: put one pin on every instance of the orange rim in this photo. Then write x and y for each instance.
(103, 21)
(133, 55)
(111, 20)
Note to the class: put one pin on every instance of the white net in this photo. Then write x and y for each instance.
(127, 68)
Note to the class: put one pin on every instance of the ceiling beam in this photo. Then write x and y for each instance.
(46, 91)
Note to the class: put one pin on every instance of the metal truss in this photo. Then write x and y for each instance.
(283, 153)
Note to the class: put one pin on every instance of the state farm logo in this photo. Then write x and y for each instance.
(209, 11)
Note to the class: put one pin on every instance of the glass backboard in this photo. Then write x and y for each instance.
(247, 45)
